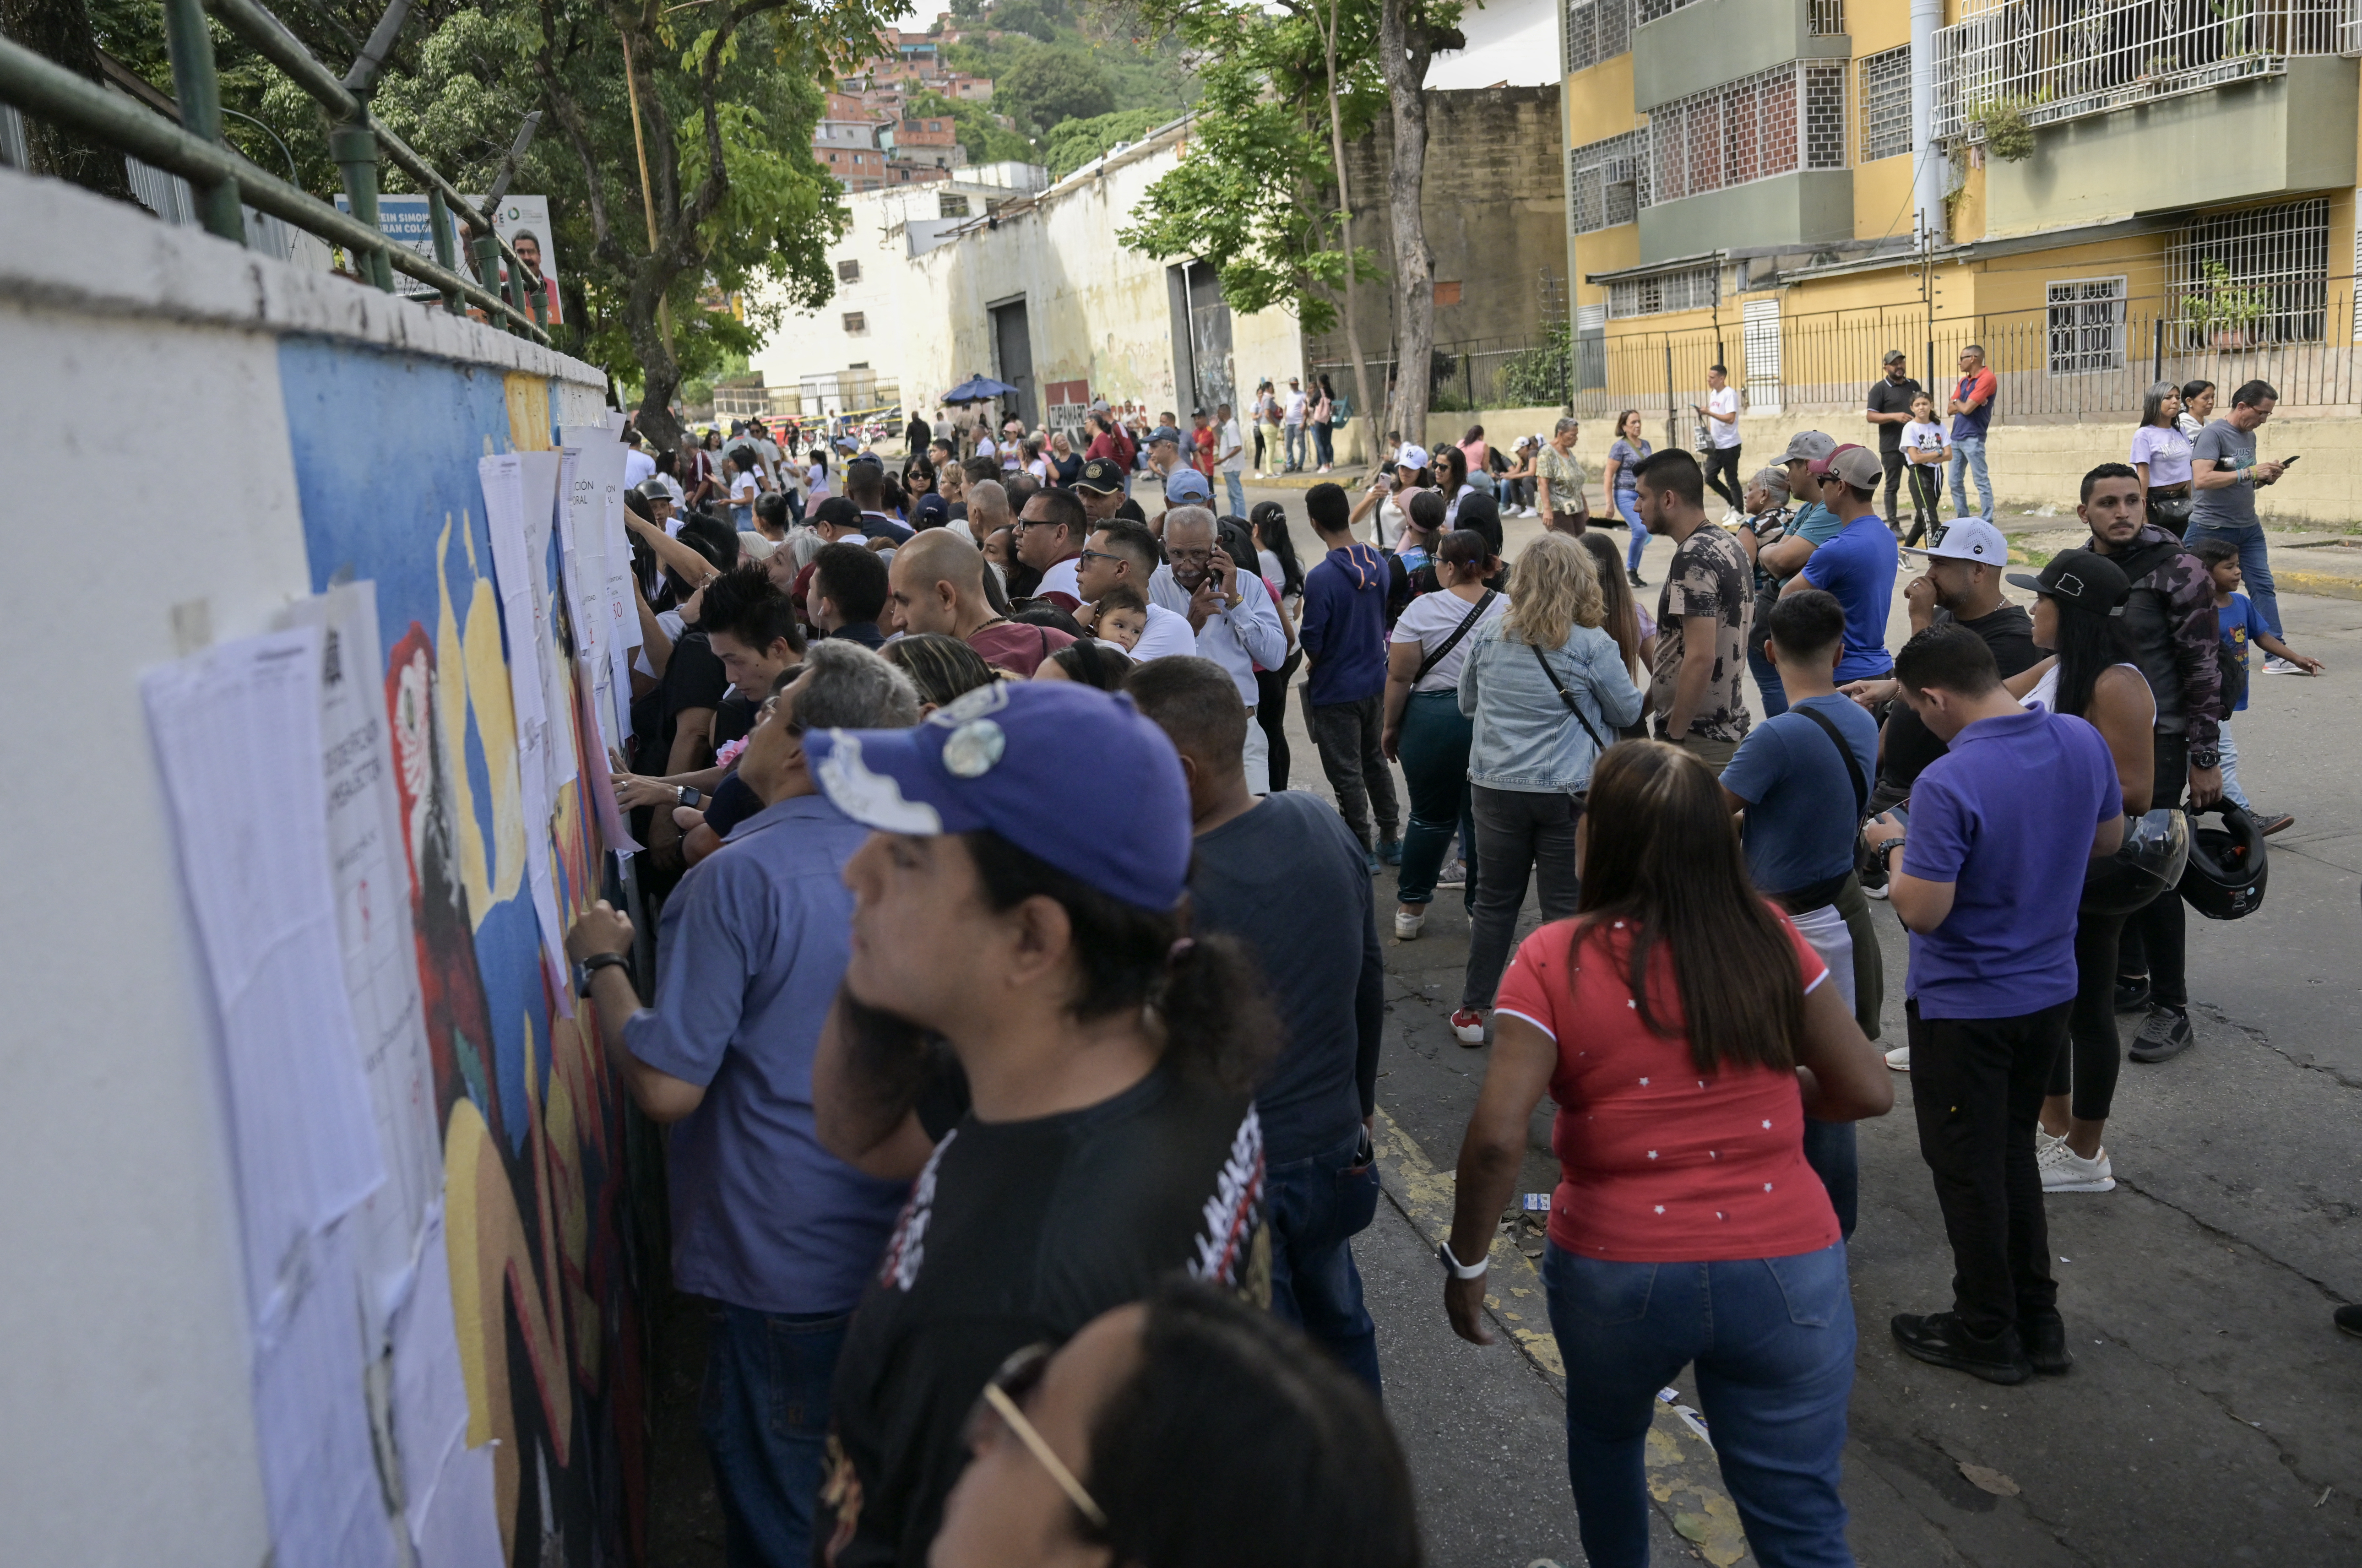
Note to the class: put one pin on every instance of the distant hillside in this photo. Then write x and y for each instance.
(1053, 62)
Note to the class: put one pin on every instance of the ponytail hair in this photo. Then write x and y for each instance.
(1206, 992)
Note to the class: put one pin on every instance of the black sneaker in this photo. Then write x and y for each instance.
(2164, 1034)
(1940, 1340)
(2268, 824)
(1637, 580)
(2045, 1339)
(2132, 995)
(2348, 1321)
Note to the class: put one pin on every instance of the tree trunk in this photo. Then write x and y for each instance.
(660, 372)
(1345, 222)
(59, 30)
(1404, 49)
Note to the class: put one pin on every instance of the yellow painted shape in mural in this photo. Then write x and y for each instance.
(482, 693)
(528, 400)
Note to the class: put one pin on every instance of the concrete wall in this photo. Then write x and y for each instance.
(1493, 207)
(130, 1436)
(1714, 42)
(1097, 312)
(2246, 140)
(1810, 206)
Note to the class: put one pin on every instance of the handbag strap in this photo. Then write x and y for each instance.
(1853, 765)
(1568, 698)
(1467, 624)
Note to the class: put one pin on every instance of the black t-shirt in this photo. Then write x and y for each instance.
(1069, 468)
(733, 718)
(915, 434)
(1130, 509)
(1892, 397)
(1016, 1233)
(693, 678)
(1910, 746)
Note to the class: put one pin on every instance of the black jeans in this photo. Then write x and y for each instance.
(1722, 475)
(2095, 1052)
(1925, 508)
(1518, 832)
(2154, 935)
(1977, 1087)
(1347, 735)
(1271, 712)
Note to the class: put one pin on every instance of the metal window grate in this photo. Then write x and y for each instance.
(1650, 10)
(1774, 122)
(2243, 279)
(1596, 31)
(1826, 18)
(857, 321)
(1886, 103)
(2086, 321)
(2059, 59)
(848, 271)
(1606, 182)
(1692, 288)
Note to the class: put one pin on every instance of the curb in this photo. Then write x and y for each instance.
(2324, 584)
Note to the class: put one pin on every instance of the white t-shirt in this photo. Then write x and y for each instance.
(743, 489)
(1063, 577)
(638, 468)
(672, 488)
(815, 485)
(1295, 414)
(1234, 442)
(1430, 618)
(1724, 402)
(1922, 436)
(986, 447)
(1168, 633)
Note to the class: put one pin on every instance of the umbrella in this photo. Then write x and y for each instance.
(979, 389)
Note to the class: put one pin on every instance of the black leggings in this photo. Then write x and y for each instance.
(1924, 506)
(2089, 1063)
(1271, 712)
(2152, 943)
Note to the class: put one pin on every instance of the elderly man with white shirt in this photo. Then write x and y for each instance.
(1231, 613)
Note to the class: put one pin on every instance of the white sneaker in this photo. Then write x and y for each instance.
(2064, 1170)
(1899, 1059)
(1408, 925)
(2275, 665)
(1453, 875)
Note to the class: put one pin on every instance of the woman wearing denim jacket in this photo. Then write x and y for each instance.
(1529, 757)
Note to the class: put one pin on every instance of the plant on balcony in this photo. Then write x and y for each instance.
(2000, 124)
(2222, 314)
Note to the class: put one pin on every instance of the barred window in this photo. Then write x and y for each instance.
(857, 321)
(1596, 31)
(2087, 325)
(1826, 18)
(2260, 275)
(848, 271)
(1606, 182)
(1775, 122)
(1886, 103)
(1692, 288)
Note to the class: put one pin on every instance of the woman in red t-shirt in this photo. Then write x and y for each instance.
(1682, 1027)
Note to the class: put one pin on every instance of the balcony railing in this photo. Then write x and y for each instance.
(2062, 60)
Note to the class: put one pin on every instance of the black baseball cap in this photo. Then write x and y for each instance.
(2085, 578)
(1101, 476)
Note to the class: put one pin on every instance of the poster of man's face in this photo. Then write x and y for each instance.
(524, 222)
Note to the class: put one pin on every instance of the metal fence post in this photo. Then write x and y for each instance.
(354, 149)
(1672, 420)
(198, 89)
(439, 218)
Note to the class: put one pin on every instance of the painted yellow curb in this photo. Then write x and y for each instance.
(2327, 585)
(1682, 1475)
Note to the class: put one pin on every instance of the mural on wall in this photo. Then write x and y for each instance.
(539, 1212)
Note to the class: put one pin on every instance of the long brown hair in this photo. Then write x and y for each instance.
(1623, 615)
(1661, 853)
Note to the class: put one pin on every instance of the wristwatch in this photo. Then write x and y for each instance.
(1457, 1269)
(593, 965)
(1886, 848)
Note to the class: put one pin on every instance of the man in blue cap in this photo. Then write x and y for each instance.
(1028, 1027)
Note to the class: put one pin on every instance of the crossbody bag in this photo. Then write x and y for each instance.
(1568, 698)
(1821, 894)
(1467, 624)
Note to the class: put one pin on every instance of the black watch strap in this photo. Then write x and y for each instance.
(593, 965)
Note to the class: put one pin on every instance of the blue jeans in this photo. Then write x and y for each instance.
(1317, 1206)
(1433, 748)
(2230, 753)
(2255, 563)
(1773, 1342)
(764, 1414)
(1628, 506)
(1236, 486)
(1295, 434)
(1835, 1158)
(1969, 457)
(1324, 443)
(1766, 673)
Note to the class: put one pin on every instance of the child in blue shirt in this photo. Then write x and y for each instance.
(2243, 627)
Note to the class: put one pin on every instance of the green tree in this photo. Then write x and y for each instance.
(1077, 142)
(985, 139)
(1025, 16)
(1047, 86)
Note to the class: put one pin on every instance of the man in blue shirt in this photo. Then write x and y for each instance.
(1803, 777)
(1856, 564)
(1284, 876)
(1988, 887)
(1344, 640)
(780, 1233)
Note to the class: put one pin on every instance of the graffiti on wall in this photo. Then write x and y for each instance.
(540, 1216)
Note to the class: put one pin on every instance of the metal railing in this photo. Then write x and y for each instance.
(1474, 375)
(222, 180)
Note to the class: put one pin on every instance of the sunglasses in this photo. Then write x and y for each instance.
(1002, 1405)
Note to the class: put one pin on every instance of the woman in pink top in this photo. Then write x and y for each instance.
(1684, 1029)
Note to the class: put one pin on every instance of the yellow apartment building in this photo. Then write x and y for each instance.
(2102, 194)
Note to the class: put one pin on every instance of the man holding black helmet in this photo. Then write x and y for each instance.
(2170, 621)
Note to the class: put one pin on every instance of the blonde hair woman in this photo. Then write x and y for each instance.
(1548, 689)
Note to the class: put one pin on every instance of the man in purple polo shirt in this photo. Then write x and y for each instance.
(1988, 888)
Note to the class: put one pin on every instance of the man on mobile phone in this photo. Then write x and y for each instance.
(2224, 477)
(1721, 456)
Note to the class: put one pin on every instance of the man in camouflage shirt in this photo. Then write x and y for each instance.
(1702, 614)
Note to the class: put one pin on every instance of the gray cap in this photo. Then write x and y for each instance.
(655, 491)
(1806, 445)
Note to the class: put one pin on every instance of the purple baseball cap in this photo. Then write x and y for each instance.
(1006, 758)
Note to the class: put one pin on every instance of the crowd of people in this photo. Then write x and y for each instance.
(1018, 1027)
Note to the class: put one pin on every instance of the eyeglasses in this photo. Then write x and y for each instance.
(1001, 1401)
(1098, 555)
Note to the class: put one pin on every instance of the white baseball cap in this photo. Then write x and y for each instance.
(1410, 457)
(1965, 539)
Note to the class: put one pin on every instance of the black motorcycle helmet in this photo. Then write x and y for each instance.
(2152, 861)
(2225, 878)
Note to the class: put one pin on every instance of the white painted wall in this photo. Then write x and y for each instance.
(143, 398)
